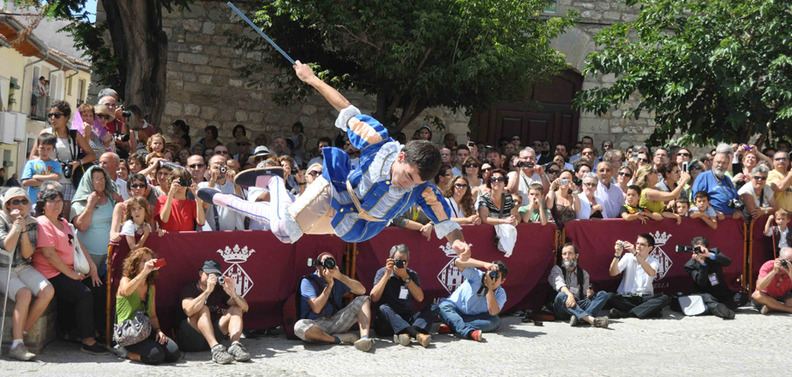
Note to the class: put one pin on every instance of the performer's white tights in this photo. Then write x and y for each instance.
(271, 213)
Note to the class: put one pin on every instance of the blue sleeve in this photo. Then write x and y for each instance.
(500, 297)
(699, 184)
(473, 275)
(27, 171)
(307, 289)
(711, 212)
(436, 208)
(364, 132)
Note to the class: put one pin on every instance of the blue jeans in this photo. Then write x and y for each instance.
(389, 322)
(465, 324)
(583, 308)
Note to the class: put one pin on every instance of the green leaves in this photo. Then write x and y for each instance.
(414, 54)
(716, 70)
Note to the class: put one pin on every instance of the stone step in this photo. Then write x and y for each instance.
(43, 330)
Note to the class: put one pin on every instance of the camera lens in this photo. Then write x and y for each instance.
(223, 169)
(329, 263)
(220, 279)
(493, 275)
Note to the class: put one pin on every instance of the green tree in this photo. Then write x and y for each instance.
(716, 70)
(135, 61)
(412, 55)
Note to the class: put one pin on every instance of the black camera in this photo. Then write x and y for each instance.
(493, 275)
(688, 249)
(67, 170)
(223, 170)
(525, 164)
(126, 113)
(784, 263)
(123, 136)
(184, 182)
(735, 204)
(399, 263)
(329, 263)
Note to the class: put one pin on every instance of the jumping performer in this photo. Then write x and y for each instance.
(355, 204)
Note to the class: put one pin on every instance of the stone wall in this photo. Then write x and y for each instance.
(204, 87)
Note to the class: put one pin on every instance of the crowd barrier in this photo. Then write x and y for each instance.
(266, 271)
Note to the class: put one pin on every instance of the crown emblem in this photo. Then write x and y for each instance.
(661, 238)
(235, 255)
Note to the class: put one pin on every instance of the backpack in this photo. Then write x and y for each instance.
(292, 306)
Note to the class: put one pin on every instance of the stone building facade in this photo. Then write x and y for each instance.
(204, 87)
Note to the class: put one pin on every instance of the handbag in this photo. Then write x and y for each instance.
(80, 262)
(133, 330)
(76, 155)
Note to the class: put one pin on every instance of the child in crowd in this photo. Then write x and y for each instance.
(41, 168)
(682, 207)
(534, 211)
(631, 210)
(137, 222)
(703, 211)
(156, 143)
(136, 163)
(123, 170)
(780, 232)
(174, 212)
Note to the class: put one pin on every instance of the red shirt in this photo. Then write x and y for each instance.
(781, 284)
(182, 217)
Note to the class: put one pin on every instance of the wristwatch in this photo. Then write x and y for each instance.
(407, 280)
(617, 256)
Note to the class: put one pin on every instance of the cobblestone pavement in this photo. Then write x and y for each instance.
(750, 345)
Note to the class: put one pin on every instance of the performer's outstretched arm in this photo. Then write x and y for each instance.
(306, 74)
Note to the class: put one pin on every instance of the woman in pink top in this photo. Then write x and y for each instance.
(54, 258)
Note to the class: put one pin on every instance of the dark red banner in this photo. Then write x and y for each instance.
(761, 248)
(265, 270)
(529, 264)
(595, 240)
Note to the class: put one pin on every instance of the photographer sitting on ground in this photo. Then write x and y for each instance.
(706, 268)
(322, 318)
(474, 306)
(636, 296)
(575, 299)
(209, 314)
(774, 285)
(395, 285)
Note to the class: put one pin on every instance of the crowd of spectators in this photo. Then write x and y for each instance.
(103, 174)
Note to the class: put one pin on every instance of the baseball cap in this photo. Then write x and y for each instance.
(211, 266)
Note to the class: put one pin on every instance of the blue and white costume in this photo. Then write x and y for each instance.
(327, 205)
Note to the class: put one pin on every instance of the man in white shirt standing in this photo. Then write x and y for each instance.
(608, 194)
(635, 296)
(221, 218)
(527, 171)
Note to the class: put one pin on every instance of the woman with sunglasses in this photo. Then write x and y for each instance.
(652, 199)
(486, 172)
(671, 173)
(552, 170)
(562, 199)
(54, 258)
(589, 208)
(59, 114)
(459, 196)
(497, 207)
(28, 288)
(743, 176)
(758, 197)
(472, 173)
(137, 186)
(312, 173)
(624, 177)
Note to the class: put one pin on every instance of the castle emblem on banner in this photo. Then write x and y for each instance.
(236, 257)
(661, 239)
(450, 276)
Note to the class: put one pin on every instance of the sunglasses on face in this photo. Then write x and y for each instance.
(498, 179)
(103, 116)
(460, 185)
(17, 202)
(137, 185)
(471, 166)
(781, 159)
(221, 152)
(644, 160)
(196, 166)
(552, 171)
(759, 178)
(55, 115)
(625, 174)
(486, 169)
(590, 184)
(683, 154)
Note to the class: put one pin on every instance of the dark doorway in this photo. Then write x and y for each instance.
(547, 115)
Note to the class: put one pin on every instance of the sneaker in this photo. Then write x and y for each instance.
(95, 349)
(477, 335)
(444, 329)
(723, 311)
(765, 310)
(20, 352)
(616, 313)
(601, 322)
(239, 352)
(257, 176)
(364, 344)
(403, 339)
(573, 321)
(220, 355)
(424, 340)
(348, 338)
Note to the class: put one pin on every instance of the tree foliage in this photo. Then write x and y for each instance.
(716, 70)
(414, 54)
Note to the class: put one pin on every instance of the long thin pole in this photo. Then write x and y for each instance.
(5, 298)
(285, 55)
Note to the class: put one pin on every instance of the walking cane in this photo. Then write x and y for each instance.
(5, 297)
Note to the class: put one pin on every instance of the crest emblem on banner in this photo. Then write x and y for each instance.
(664, 260)
(236, 257)
(450, 276)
